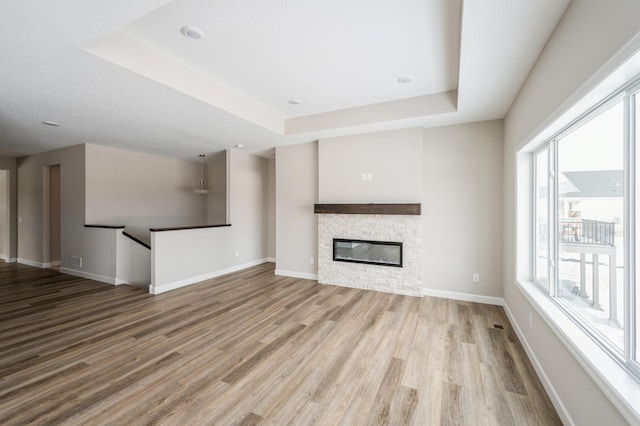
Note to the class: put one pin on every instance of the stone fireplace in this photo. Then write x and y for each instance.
(370, 233)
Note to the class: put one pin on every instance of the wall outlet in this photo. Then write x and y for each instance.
(369, 176)
(237, 253)
(19, 219)
(364, 177)
(311, 261)
(476, 278)
(76, 261)
(530, 320)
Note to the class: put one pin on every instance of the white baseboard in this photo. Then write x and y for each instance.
(9, 259)
(546, 383)
(488, 300)
(467, 297)
(120, 281)
(270, 259)
(293, 274)
(31, 263)
(88, 275)
(154, 289)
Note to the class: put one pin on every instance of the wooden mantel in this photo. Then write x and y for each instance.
(371, 208)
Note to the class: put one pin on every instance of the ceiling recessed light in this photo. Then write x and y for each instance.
(192, 32)
(50, 123)
(239, 146)
(405, 80)
(295, 102)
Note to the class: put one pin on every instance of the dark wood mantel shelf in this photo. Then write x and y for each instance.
(371, 208)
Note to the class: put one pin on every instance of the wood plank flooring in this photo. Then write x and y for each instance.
(252, 348)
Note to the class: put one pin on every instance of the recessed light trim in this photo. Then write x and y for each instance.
(194, 33)
(295, 102)
(50, 123)
(404, 80)
(239, 146)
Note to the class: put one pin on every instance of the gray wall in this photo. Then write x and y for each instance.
(54, 214)
(588, 35)
(141, 190)
(217, 198)
(393, 158)
(271, 208)
(126, 188)
(4, 214)
(296, 224)
(462, 208)
(248, 205)
(32, 171)
(455, 172)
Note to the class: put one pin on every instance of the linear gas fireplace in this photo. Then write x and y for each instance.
(385, 253)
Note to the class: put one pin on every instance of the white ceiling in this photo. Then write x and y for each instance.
(120, 73)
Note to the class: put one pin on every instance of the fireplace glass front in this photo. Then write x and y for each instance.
(385, 253)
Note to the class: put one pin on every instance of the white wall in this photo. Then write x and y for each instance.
(133, 262)
(588, 35)
(208, 252)
(141, 191)
(393, 158)
(296, 225)
(462, 209)
(10, 165)
(205, 253)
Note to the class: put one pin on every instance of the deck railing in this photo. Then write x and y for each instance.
(585, 231)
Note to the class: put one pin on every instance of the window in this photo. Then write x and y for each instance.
(541, 264)
(586, 223)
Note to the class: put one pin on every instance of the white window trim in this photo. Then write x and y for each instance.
(619, 96)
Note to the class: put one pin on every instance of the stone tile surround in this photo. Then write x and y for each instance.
(406, 229)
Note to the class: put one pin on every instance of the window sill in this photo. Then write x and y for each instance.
(622, 389)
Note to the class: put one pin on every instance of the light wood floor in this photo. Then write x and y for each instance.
(252, 348)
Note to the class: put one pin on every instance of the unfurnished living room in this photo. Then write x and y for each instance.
(417, 212)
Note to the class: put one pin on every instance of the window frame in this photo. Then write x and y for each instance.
(629, 357)
(534, 212)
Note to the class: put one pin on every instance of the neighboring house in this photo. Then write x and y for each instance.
(597, 192)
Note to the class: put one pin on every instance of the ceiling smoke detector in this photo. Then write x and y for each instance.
(50, 123)
(295, 102)
(405, 80)
(192, 32)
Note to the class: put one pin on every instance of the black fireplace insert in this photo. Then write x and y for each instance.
(384, 253)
